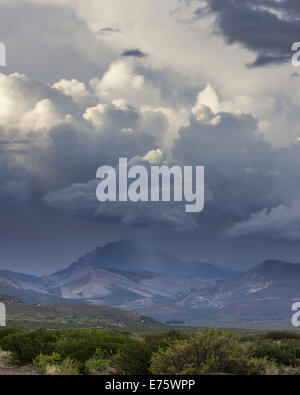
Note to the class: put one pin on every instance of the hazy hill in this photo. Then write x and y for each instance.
(24, 290)
(268, 290)
(7, 300)
(127, 255)
(65, 315)
(271, 279)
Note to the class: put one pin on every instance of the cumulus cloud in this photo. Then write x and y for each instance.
(161, 108)
(29, 106)
(119, 77)
(77, 90)
(207, 98)
(69, 131)
(154, 156)
(123, 80)
(244, 173)
(75, 128)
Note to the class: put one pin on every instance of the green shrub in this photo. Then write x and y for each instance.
(68, 367)
(277, 352)
(96, 365)
(79, 345)
(281, 335)
(203, 352)
(82, 345)
(163, 340)
(99, 362)
(4, 332)
(263, 366)
(55, 365)
(133, 359)
(26, 346)
(42, 362)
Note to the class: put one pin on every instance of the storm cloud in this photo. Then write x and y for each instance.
(266, 27)
(135, 53)
(72, 99)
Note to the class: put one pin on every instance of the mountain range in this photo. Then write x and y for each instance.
(129, 276)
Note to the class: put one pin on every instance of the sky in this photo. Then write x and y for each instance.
(161, 82)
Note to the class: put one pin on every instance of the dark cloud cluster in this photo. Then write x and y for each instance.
(266, 27)
(254, 187)
(248, 182)
(80, 200)
(135, 53)
(108, 30)
(15, 183)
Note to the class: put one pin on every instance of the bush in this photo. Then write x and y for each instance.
(204, 352)
(99, 362)
(133, 359)
(69, 367)
(277, 352)
(26, 346)
(96, 365)
(54, 365)
(263, 366)
(43, 362)
(81, 345)
(281, 335)
(4, 332)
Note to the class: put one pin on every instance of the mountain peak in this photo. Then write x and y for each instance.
(276, 265)
(128, 255)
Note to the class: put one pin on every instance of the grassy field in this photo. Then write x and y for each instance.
(66, 315)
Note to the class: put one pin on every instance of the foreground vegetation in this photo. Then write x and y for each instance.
(210, 351)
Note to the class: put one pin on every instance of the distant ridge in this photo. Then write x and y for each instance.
(265, 292)
(155, 284)
(8, 300)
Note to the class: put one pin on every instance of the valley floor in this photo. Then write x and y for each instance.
(7, 369)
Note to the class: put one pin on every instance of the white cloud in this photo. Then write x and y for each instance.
(44, 116)
(30, 106)
(118, 81)
(207, 98)
(281, 223)
(77, 90)
(154, 156)
(95, 115)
